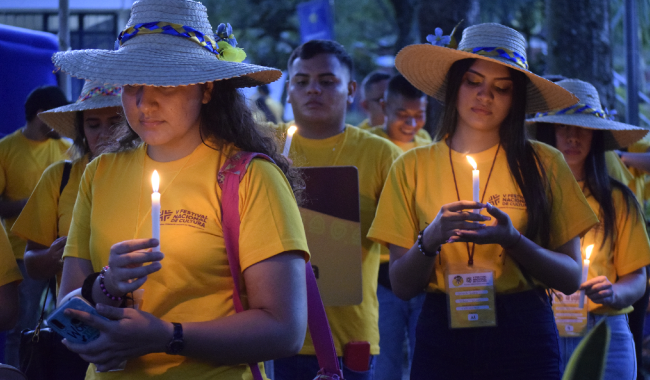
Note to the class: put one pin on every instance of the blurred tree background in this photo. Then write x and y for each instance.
(580, 38)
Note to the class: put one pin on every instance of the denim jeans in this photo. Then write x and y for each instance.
(621, 357)
(30, 292)
(397, 320)
(305, 367)
(523, 345)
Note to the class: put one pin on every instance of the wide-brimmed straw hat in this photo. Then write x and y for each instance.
(94, 95)
(167, 43)
(426, 66)
(589, 113)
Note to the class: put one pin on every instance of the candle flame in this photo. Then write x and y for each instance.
(472, 162)
(155, 181)
(588, 250)
(292, 130)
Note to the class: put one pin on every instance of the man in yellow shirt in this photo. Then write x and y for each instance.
(24, 155)
(405, 108)
(373, 87)
(320, 89)
(9, 279)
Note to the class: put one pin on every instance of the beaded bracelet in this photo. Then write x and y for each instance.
(421, 246)
(102, 275)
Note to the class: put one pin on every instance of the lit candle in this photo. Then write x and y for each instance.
(585, 273)
(155, 209)
(287, 143)
(475, 182)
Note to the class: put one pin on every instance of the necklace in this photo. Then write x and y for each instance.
(470, 253)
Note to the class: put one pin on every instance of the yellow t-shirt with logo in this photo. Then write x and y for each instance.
(372, 156)
(22, 161)
(421, 182)
(631, 250)
(9, 271)
(417, 140)
(48, 212)
(194, 284)
(422, 133)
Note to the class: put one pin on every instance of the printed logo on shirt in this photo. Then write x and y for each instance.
(513, 201)
(494, 200)
(182, 217)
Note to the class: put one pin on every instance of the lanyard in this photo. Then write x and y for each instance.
(470, 253)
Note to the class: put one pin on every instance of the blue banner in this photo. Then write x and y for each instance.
(316, 20)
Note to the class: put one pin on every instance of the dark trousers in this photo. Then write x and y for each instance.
(524, 345)
(637, 321)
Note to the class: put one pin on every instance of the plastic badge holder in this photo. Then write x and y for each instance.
(470, 296)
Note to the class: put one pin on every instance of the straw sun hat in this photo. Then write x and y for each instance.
(588, 113)
(94, 95)
(167, 43)
(426, 66)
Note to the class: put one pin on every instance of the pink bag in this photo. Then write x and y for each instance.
(229, 177)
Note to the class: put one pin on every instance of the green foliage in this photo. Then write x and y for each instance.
(588, 360)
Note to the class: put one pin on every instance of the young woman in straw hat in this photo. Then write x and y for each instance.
(180, 97)
(486, 314)
(616, 277)
(45, 220)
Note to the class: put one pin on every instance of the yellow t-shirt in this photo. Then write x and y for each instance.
(421, 182)
(22, 161)
(417, 140)
(631, 251)
(638, 182)
(617, 169)
(373, 157)
(9, 271)
(194, 284)
(422, 133)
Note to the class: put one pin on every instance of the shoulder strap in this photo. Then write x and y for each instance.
(67, 166)
(228, 178)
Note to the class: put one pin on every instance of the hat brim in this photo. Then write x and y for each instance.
(62, 119)
(620, 135)
(426, 67)
(160, 60)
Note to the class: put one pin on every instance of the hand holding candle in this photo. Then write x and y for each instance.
(155, 209)
(585, 273)
(287, 143)
(475, 182)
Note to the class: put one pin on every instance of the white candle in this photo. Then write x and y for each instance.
(585, 274)
(475, 182)
(287, 143)
(155, 209)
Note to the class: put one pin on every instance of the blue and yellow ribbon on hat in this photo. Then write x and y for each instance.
(222, 48)
(501, 52)
(580, 108)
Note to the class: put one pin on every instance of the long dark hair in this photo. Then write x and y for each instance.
(226, 119)
(520, 154)
(598, 181)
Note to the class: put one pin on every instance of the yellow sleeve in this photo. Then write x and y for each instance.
(632, 248)
(617, 169)
(424, 135)
(78, 242)
(39, 218)
(270, 220)
(571, 214)
(396, 220)
(3, 172)
(9, 271)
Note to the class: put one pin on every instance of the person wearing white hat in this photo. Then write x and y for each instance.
(617, 277)
(45, 219)
(502, 326)
(180, 96)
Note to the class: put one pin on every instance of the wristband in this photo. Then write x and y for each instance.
(421, 246)
(87, 288)
(102, 275)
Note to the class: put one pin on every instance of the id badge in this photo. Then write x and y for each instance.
(470, 296)
(571, 320)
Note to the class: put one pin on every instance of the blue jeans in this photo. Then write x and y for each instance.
(305, 367)
(397, 320)
(30, 292)
(621, 357)
(524, 344)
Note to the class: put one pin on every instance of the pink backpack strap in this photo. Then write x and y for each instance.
(228, 178)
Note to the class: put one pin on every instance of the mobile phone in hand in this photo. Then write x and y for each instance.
(71, 328)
